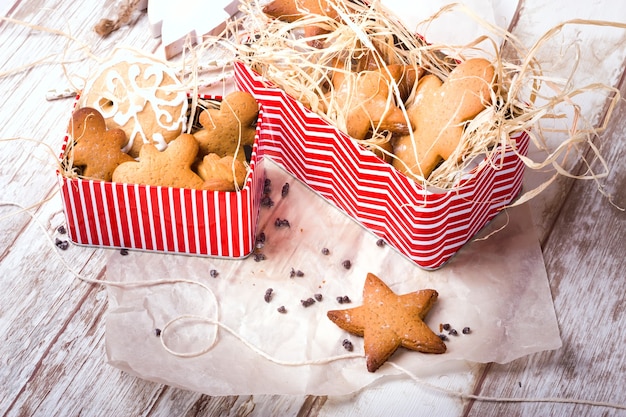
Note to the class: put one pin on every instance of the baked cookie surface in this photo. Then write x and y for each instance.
(387, 321)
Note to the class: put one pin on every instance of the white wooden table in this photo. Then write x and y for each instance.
(52, 356)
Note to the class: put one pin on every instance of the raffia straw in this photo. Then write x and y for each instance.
(107, 26)
(281, 55)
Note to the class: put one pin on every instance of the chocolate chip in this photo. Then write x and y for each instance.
(347, 345)
(267, 186)
(258, 257)
(380, 243)
(308, 302)
(293, 273)
(443, 337)
(266, 201)
(446, 327)
(318, 297)
(157, 332)
(285, 190)
(453, 332)
(325, 251)
(347, 264)
(123, 251)
(61, 244)
(268, 295)
(61, 229)
(343, 299)
(213, 273)
(260, 240)
(281, 309)
(466, 330)
(281, 222)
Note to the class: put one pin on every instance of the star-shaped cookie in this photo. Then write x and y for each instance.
(387, 321)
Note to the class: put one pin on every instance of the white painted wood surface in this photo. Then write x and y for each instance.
(52, 357)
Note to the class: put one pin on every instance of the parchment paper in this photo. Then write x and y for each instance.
(498, 287)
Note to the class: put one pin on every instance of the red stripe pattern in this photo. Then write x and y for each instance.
(162, 219)
(427, 227)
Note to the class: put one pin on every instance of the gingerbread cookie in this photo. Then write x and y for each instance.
(293, 10)
(227, 130)
(366, 100)
(439, 113)
(95, 150)
(387, 321)
(222, 174)
(169, 168)
(140, 95)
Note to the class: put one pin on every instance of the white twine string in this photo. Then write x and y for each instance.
(321, 361)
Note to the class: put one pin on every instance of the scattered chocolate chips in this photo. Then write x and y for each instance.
(347, 264)
(451, 331)
(281, 309)
(157, 332)
(266, 201)
(325, 251)
(318, 297)
(380, 243)
(308, 302)
(260, 240)
(285, 190)
(343, 299)
(293, 273)
(268, 295)
(123, 251)
(213, 273)
(61, 229)
(281, 223)
(347, 345)
(61, 244)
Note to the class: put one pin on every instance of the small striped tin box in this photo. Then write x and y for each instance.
(427, 227)
(163, 219)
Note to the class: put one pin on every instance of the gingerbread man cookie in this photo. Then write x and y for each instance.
(227, 130)
(140, 95)
(387, 321)
(293, 10)
(439, 113)
(169, 168)
(96, 150)
(366, 100)
(222, 174)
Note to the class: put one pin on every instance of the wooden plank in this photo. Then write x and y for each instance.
(584, 256)
(601, 55)
(51, 324)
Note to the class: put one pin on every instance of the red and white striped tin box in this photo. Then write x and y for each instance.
(164, 219)
(427, 227)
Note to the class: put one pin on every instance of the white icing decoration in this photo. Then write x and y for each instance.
(132, 98)
(159, 141)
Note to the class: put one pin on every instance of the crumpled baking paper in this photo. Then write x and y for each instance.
(497, 286)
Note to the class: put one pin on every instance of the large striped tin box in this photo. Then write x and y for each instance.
(427, 227)
(162, 219)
